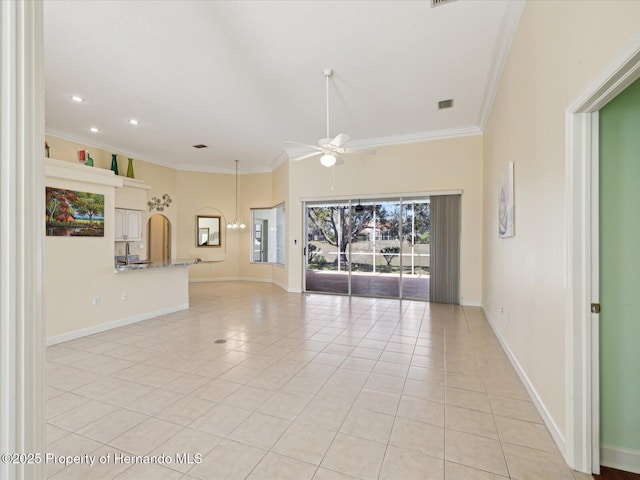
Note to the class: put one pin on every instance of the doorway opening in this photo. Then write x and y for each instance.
(159, 238)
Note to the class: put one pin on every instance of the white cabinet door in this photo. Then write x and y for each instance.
(120, 231)
(128, 225)
(134, 224)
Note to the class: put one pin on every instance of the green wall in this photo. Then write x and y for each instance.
(620, 270)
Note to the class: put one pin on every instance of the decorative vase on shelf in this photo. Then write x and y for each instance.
(114, 163)
(89, 162)
(130, 169)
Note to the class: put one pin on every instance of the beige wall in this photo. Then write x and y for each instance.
(558, 50)
(214, 194)
(255, 192)
(438, 165)
(280, 194)
(162, 180)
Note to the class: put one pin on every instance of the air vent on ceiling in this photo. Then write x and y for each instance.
(442, 104)
(437, 3)
(200, 145)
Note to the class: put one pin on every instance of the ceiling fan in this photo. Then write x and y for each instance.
(329, 148)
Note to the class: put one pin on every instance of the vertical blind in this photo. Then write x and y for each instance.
(445, 249)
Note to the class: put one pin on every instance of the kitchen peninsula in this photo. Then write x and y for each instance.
(152, 265)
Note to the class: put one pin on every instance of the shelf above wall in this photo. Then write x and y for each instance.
(81, 173)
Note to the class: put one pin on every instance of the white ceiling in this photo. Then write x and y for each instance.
(244, 76)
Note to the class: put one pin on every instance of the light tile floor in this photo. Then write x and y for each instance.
(306, 387)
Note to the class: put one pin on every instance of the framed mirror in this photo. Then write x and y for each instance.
(208, 231)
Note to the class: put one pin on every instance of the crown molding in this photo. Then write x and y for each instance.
(108, 148)
(500, 57)
(282, 157)
(415, 137)
(418, 137)
(286, 154)
(139, 156)
(210, 169)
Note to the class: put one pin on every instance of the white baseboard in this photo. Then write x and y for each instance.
(102, 327)
(281, 285)
(244, 279)
(620, 458)
(229, 279)
(537, 401)
(471, 303)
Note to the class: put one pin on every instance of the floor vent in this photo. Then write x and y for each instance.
(222, 340)
(200, 145)
(437, 3)
(442, 104)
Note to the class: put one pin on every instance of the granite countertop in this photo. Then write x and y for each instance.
(147, 265)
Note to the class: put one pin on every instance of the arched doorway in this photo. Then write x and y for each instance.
(159, 235)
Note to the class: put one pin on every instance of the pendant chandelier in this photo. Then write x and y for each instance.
(236, 224)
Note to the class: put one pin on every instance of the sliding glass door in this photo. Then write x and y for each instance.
(416, 248)
(327, 247)
(373, 247)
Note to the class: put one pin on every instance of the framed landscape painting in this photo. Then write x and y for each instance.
(74, 214)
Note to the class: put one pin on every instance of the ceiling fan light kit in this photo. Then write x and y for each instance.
(328, 160)
(330, 148)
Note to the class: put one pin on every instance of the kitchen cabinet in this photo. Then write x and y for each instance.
(128, 225)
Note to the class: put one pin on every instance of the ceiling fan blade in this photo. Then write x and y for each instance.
(363, 151)
(309, 155)
(313, 147)
(340, 139)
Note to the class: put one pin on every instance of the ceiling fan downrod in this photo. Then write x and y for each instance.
(328, 73)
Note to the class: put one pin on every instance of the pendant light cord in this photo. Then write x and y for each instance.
(237, 189)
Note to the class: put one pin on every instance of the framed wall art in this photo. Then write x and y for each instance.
(505, 203)
(74, 214)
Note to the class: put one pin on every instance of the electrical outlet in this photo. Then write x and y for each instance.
(125, 295)
(96, 300)
(501, 310)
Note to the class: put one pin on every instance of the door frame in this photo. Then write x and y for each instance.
(582, 440)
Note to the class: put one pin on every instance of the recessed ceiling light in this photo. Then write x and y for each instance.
(94, 129)
(77, 98)
(133, 121)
